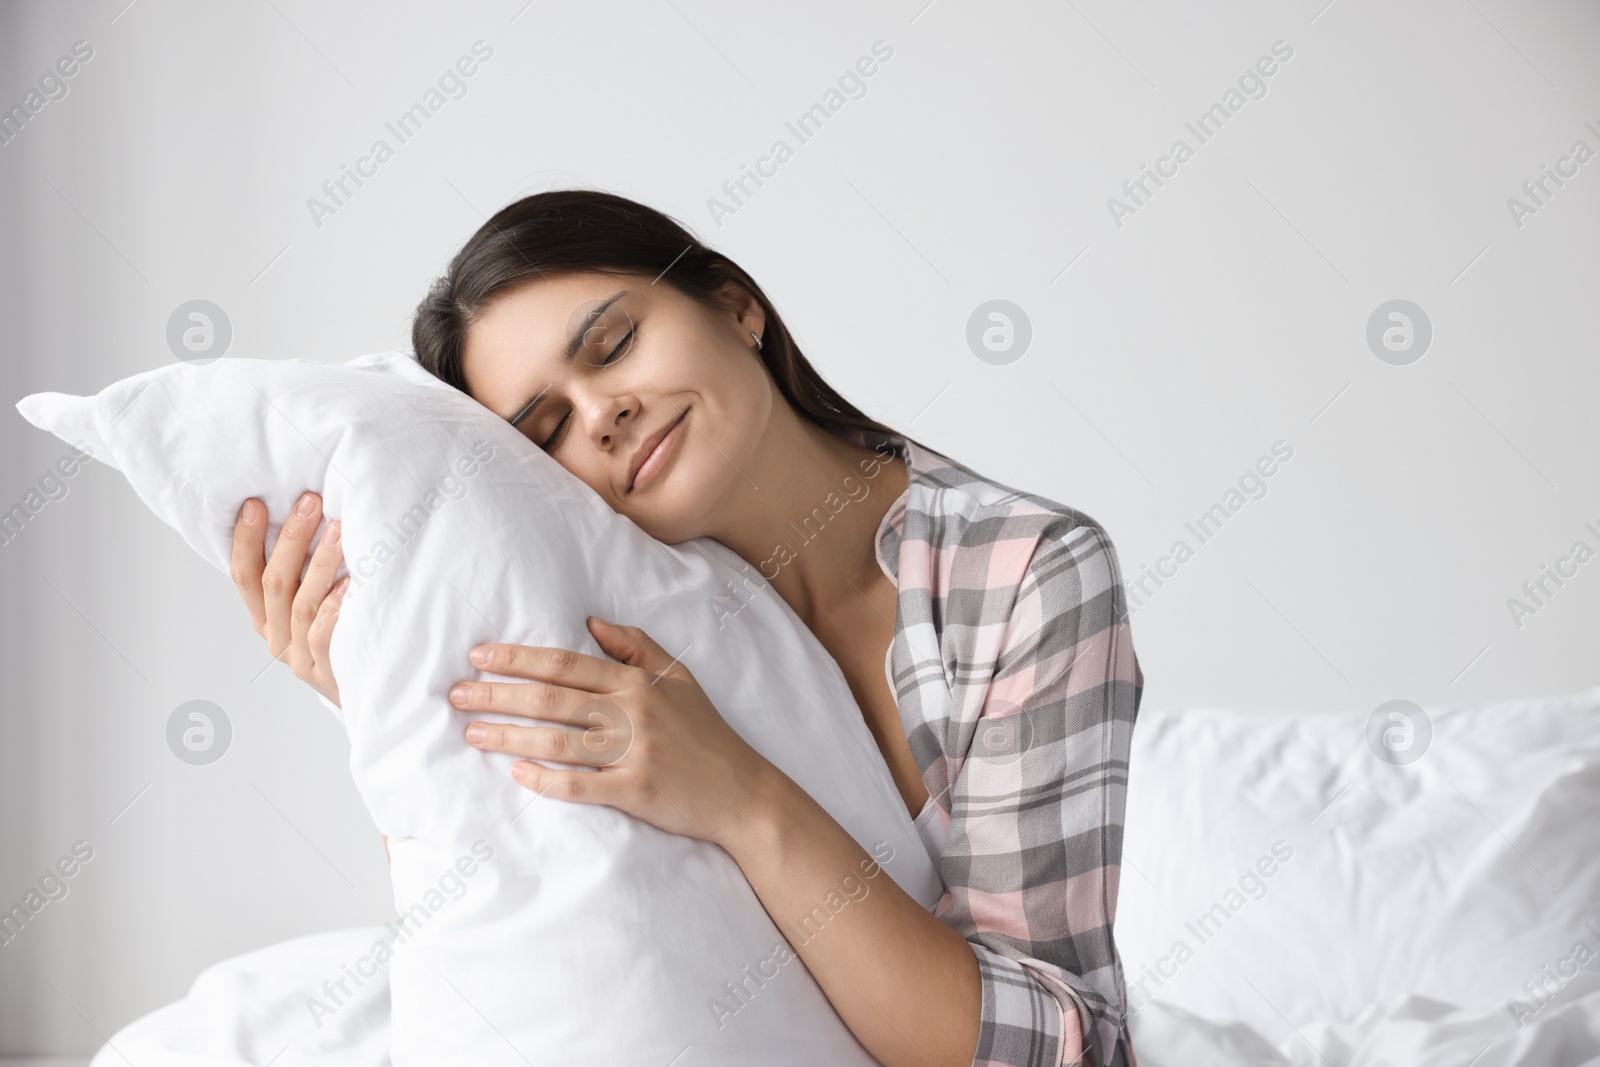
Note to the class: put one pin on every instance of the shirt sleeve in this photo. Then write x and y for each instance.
(1034, 854)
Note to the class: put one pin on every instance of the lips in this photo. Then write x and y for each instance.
(648, 448)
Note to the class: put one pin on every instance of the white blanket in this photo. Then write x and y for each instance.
(251, 1010)
(1427, 913)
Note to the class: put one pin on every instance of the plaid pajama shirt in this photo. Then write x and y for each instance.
(1014, 671)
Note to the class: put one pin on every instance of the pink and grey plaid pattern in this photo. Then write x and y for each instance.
(1018, 686)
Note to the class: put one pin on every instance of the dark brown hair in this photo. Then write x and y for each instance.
(571, 230)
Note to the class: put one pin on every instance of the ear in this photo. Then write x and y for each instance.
(748, 315)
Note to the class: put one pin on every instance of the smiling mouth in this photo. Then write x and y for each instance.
(655, 456)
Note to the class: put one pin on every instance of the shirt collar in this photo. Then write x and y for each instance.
(887, 541)
(891, 528)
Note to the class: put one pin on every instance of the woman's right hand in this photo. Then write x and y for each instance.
(295, 617)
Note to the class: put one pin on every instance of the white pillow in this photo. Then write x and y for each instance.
(588, 936)
(1277, 872)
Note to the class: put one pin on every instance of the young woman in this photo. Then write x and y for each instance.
(983, 631)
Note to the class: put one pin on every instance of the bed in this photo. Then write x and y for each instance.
(1413, 886)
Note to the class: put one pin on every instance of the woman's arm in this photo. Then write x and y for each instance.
(1034, 856)
(904, 983)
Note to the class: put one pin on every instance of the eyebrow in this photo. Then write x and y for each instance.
(574, 343)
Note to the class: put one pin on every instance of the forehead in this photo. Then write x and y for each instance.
(522, 334)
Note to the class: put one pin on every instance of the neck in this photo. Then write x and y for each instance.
(807, 513)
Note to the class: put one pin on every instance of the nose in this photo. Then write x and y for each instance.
(604, 415)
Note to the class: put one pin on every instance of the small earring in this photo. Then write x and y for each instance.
(758, 340)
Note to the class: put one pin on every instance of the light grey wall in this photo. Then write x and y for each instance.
(1168, 353)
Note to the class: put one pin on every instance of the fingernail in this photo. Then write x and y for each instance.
(479, 655)
(460, 694)
(519, 771)
(247, 514)
(343, 584)
(330, 536)
(475, 733)
(306, 505)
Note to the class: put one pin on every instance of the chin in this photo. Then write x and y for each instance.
(670, 530)
(685, 500)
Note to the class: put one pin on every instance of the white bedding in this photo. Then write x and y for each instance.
(1414, 904)
(251, 1009)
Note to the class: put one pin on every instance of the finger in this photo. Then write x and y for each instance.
(533, 700)
(249, 557)
(558, 665)
(554, 743)
(314, 587)
(320, 637)
(579, 787)
(633, 646)
(281, 578)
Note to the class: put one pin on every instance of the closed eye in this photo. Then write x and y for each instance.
(551, 442)
(622, 348)
(619, 351)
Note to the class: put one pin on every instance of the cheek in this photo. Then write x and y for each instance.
(593, 475)
(729, 427)
(743, 406)
(732, 425)
(586, 469)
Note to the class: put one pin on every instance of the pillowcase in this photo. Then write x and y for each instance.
(582, 934)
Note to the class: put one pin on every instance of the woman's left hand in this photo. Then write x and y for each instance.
(664, 752)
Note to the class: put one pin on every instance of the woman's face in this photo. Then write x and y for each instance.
(646, 395)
